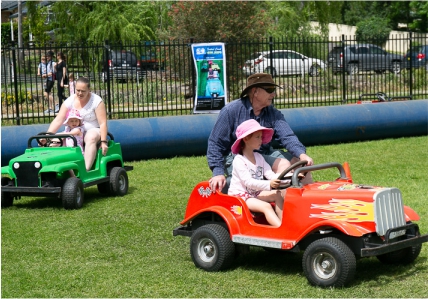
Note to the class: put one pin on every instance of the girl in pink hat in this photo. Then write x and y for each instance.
(250, 170)
(74, 126)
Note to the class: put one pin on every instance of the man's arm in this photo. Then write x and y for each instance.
(286, 136)
(219, 143)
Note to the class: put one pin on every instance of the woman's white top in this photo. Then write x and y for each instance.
(88, 112)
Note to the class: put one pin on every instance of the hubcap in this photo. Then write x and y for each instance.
(122, 182)
(324, 265)
(78, 196)
(206, 250)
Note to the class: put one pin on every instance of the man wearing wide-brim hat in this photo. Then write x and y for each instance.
(255, 102)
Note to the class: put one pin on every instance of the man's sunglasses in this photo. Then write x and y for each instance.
(268, 89)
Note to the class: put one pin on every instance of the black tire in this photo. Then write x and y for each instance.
(211, 248)
(315, 71)
(72, 194)
(6, 197)
(353, 69)
(329, 262)
(401, 257)
(396, 67)
(119, 181)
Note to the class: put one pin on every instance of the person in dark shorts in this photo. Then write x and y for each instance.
(50, 70)
(61, 72)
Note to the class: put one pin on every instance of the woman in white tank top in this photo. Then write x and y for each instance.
(93, 112)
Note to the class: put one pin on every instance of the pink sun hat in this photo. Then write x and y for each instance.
(72, 113)
(248, 127)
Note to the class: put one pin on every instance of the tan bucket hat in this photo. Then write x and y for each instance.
(259, 79)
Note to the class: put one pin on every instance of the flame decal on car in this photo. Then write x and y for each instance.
(323, 187)
(349, 210)
(347, 187)
(236, 209)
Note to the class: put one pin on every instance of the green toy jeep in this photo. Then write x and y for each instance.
(60, 172)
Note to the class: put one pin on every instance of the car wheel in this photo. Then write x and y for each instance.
(329, 262)
(72, 194)
(396, 67)
(6, 197)
(403, 256)
(353, 69)
(211, 248)
(315, 71)
(118, 181)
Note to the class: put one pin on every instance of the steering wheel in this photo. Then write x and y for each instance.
(287, 170)
(382, 97)
(48, 140)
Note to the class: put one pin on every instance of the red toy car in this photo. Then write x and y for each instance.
(333, 222)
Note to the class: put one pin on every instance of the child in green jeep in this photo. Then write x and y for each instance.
(74, 126)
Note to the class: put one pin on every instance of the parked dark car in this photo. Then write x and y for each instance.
(363, 57)
(123, 65)
(417, 58)
(151, 61)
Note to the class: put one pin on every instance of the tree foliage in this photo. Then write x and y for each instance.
(412, 13)
(6, 35)
(420, 9)
(376, 29)
(35, 22)
(105, 20)
(292, 18)
(218, 20)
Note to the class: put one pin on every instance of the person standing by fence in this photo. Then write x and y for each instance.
(61, 77)
(71, 84)
(41, 71)
(50, 70)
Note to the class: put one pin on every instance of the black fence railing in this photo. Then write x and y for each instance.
(160, 79)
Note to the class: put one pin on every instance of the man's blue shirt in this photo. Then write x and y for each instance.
(231, 116)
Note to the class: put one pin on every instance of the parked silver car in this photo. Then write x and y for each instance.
(283, 62)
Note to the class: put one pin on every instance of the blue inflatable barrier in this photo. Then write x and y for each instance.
(164, 137)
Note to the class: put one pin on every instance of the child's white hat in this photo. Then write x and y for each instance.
(72, 113)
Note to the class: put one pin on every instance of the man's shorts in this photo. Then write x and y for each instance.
(49, 85)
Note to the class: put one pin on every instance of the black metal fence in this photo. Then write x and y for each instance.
(166, 85)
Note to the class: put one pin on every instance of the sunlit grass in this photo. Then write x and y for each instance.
(123, 246)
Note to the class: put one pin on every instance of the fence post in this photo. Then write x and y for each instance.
(343, 71)
(271, 54)
(15, 82)
(411, 66)
(193, 68)
(107, 71)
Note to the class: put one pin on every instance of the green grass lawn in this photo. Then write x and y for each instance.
(123, 246)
